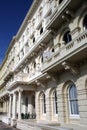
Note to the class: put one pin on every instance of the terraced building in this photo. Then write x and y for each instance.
(43, 77)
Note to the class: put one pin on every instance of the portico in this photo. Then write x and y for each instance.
(21, 102)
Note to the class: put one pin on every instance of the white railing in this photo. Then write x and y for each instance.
(57, 11)
(34, 75)
(19, 78)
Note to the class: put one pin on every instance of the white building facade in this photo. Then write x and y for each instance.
(43, 78)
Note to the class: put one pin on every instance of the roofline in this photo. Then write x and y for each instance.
(26, 19)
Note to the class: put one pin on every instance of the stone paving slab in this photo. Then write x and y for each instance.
(4, 126)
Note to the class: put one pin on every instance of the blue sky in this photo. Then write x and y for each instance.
(12, 14)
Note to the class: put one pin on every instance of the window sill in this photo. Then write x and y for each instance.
(74, 117)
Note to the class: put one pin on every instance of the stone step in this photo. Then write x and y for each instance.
(32, 125)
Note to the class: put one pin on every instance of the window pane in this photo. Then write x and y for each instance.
(56, 103)
(73, 100)
(67, 37)
(85, 22)
(44, 104)
(55, 107)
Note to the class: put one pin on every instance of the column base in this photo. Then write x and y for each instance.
(13, 122)
(9, 121)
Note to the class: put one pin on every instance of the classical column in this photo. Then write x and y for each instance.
(37, 106)
(48, 108)
(19, 105)
(14, 105)
(30, 108)
(10, 105)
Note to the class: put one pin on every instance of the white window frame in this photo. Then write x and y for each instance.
(42, 104)
(54, 104)
(72, 116)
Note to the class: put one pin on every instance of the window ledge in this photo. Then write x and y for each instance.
(74, 117)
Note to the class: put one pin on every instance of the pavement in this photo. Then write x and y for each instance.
(4, 126)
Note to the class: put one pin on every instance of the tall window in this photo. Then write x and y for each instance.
(26, 104)
(43, 103)
(85, 22)
(73, 101)
(33, 39)
(60, 1)
(41, 30)
(55, 104)
(67, 37)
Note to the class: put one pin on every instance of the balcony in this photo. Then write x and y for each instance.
(44, 38)
(74, 52)
(31, 30)
(46, 9)
(8, 74)
(21, 78)
(54, 5)
(38, 21)
(56, 18)
(3, 92)
(34, 74)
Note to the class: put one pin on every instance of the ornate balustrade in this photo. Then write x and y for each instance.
(77, 44)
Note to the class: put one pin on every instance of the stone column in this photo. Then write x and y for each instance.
(30, 108)
(48, 108)
(62, 102)
(19, 105)
(14, 105)
(82, 99)
(37, 106)
(10, 105)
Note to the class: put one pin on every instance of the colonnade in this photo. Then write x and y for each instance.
(12, 110)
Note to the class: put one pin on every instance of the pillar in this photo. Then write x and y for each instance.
(10, 105)
(30, 107)
(14, 105)
(19, 105)
(37, 106)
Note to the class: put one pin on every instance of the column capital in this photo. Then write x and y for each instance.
(10, 94)
(20, 90)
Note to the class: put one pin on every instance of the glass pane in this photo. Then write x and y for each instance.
(56, 109)
(73, 100)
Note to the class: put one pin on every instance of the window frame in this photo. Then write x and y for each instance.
(55, 103)
(43, 104)
(85, 27)
(67, 37)
(72, 115)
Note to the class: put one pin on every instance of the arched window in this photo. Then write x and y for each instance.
(55, 102)
(67, 37)
(43, 104)
(73, 101)
(60, 1)
(85, 22)
(33, 39)
(41, 30)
